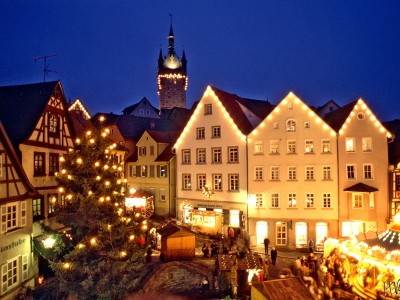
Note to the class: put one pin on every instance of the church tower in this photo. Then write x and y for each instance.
(172, 77)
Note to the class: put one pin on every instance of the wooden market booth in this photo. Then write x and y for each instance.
(176, 243)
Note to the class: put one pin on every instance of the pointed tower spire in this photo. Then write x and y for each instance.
(171, 47)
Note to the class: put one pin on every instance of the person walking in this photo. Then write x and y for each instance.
(266, 244)
(310, 246)
(274, 255)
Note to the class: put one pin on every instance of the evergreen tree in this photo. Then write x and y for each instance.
(105, 257)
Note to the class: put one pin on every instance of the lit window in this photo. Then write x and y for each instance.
(37, 207)
(301, 233)
(13, 215)
(366, 144)
(274, 146)
(143, 171)
(309, 146)
(39, 166)
(201, 133)
(292, 200)
(326, 199)
(351, 172)
(201, 155)
(216, 155)
(357, 201)
(310, 200)
(201, 181)
(326, 146)
(53, 163)
(291, 147)
(274, 173)
(233, 154)
(186, 181)
(259, 200)
(216, 131)
(54, 126)
(186, 157)
(350, 145)
(162, 171)
(234, 218)
(292, 173)
(371, 200)
(233, 182)
(217, 182)
(291, 125)
(326, 172)
(368, 171)
(208, 109)
(310, 173)
(258, 173)
(258, 147)
(13, 272)
(275, 200)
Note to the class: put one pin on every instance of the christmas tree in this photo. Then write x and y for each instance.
(108, 239)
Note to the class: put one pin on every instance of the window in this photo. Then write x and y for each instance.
(259, 200)
(208, 109)
(54, 127)
(357, 201)
(142, 151)
(292, 203)
(151, 171)
(233, 182)
(141, 111)
(350, 145)
(291, 125)
(201, 133)
(309, 146)
(52, 200)
(143, 171)
(292, 173)
(186, 182)
(162, 195)
(276, 126)
(53, 163)
(13, 272)
(217, 182)
(371, 200)
(310, 173)
(216, 155)
(147, 111)
(291, 147)
(39, 166)
(216, 131)
(274, 146)
(326, 146)
(310, 200)
(37, 207)
(368, 171)
(326, 199)
(326, 172)
(132, 171)
(201, 155)
(258, 147)
(351, 171)
(233, 155)
(13, 215)
(397, 182)
(281, 233)
(162, 171)
(321, 232)
(186, 157)
(258, 173)
(306, 124)
(201, 181)
(275, 200)
(366, 144)
(234, 218)
(274, 173)
(151, 150)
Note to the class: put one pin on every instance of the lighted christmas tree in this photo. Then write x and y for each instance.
(108, 238)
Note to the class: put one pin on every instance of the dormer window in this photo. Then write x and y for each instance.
(291, 125)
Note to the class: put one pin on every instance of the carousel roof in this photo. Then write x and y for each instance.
(389, 240)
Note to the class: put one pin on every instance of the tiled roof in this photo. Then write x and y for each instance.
(336, 118)
(166, 155)
(172, 228)
(285, 288)
(21, 107)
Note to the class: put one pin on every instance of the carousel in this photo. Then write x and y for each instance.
(376, 261)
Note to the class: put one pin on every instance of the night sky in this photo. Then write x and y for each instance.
(107, 51)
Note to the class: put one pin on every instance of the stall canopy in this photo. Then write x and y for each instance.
(278, 289)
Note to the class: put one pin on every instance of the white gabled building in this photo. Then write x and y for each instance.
(211, 157)
(293, 177)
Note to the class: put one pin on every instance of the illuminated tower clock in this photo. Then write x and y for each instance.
(172, 77)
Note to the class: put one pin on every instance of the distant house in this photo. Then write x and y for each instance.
(18, 265)
(142, 109)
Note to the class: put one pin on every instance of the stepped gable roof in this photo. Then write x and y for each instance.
(394, 147)
(232, 102)
(336, 118)
(21, 107)
(361, 187)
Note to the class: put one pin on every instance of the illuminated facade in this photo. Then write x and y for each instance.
(292, 170)
(172, 77)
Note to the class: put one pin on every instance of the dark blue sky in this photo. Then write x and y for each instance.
(107, 50)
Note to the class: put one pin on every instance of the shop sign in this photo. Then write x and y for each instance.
(209, 205)
(12, 245)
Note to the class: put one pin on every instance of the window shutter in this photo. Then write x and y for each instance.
(23, 213)
(24, 267)
(3, 278)
(158, 171)
(138, 173)
(166, 171)
(241, 219)
(226, 216)
(3, 219)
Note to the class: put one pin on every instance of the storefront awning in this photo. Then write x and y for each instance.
(361, 187)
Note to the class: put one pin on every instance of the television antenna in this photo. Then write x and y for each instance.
(46, 69)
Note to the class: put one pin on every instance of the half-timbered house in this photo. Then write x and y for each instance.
(18, 265)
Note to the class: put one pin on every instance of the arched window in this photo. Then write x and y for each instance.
(291, 125)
